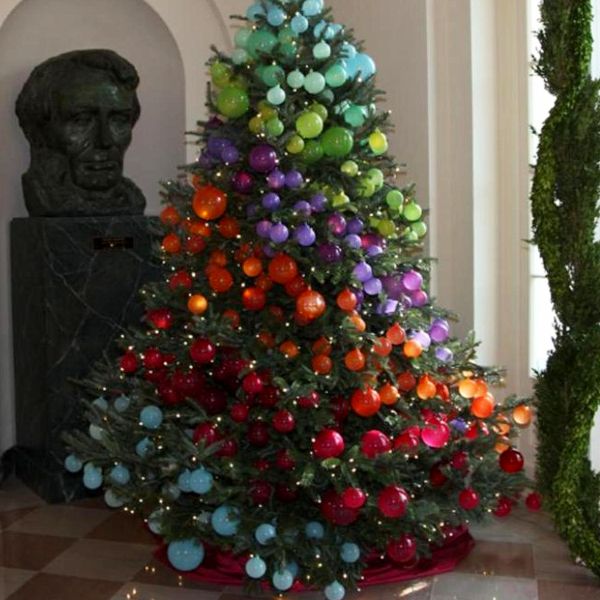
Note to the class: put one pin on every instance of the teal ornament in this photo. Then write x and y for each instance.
(255, 11)
(265, 533)
(144, 447)
(335, 28)
(282, 580)
(286, 35)
(256, 567)
(299, 24)
(288, 51)
(348, 50)
(293, 568)
(154, 521)
(320, 29)
(311, 8)
(327, 97)
(100, 403)
(242, 36)
(322, 51)
(170, 491)
(273, 75)
(225, 520)
(362, 65)
(295, 79)
(186, 555)
(122, 403)
(239, 56)
(349, 552)
(314, 530)
(113, 500)
(335, 591)
(276, 95)
(151, 417)
(275, 16)
(92, 477)
(261, 42)
(314, 83)
(96, 432)
(336, 76)
(201, 481)
(184, 481)
(355, 116)
(73, 464)
(120, 475)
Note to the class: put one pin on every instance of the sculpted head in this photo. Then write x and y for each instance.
(78, 111)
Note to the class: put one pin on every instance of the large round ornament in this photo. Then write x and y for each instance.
(393, 501)
(261, 42)
(233, 102)
(328, 444)
(511, 461)
(263, 158)
(335, 511)
(283, 269)
(225, 520)
(209, 202)
(310, 305)
(366, 403)
(186, 555)
(468, 499)
(337, 142)
(336, 76)
(309, 125)
(375, 442)
(256, 567)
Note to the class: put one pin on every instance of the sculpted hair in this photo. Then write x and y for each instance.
(34, 103)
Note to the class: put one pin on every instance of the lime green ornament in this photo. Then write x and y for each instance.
(242, 36)
(313, 152)
(256, 125)
(336, 76)
(233, 102)
(295, 79)
(340, 199)
(322, 50)
(320, 110)
(276, 95)
(378, 142)
(220, 74)
(261, 42)
(386, 228)
(275, 127)
(420, 228)
(376, 176)
(239, 82)
(295, 144)
(309, 125)
(411, 236)
(366, 188)
(355, 116)
(395, 199)
(337, 142)
(350, 168)
(314, 83)
(412, 211)
(374, 222)
(273, 75)
(266, 111)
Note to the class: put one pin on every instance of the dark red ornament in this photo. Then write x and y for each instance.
(534, 501)
(354, 498)
(503, 507)
(213, 400)
(284, 421)
(511, 461)
(258, 434)
(375, 442)
(153, 358)
(260, 491)
(406, 382)
(181, 280)
(335, 511)
(188, 383)
(460, 461)
(262, 464)
(203, 351)
(393, 501)
(407, 441)
(129, 363)
(229, 448)
(312, 400)
(207, 433)
(402, 549)
(253, 383)
(284, 460)
(160, 318)
(168, 393)
(328, 444)
(340, 407)
(286, 492)
(436, 476)
(468, 499)
(239, 412)
(269, 396)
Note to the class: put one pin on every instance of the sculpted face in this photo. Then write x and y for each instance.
(91, 124)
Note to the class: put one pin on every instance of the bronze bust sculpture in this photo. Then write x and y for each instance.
(78, 111)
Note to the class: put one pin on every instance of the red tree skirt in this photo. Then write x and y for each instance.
(222, 568)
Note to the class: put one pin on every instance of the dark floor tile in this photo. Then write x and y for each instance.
(123, 527)
(29, 551)
(56, 587)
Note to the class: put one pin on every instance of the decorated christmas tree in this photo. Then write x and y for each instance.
(294, 399)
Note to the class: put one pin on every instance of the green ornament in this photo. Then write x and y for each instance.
(322, 50)
(295, 79)
(314, 83)
(374, 222)
(266, 111)
(242, 36)
(309, 125)
(288, 50)
(256, 125)
(340, 199)
(395, 199)
(239, 56)
(220, 74)
(286, 35)
(233, 102)
(320, 110)
(378, 142)
(350, 168)
(273, 75)
(295, 144)
(355, 116)
(386, 228)
(376, 176)
(366, 188)
(313, 152)
(336, 76)
(412, 211)
(420, 228)
(411, 236)
(327, 96)
(337, 142)
(276, 95)
(261, 42)
(275, 127)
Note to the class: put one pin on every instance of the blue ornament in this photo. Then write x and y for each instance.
(256, 567)
(144, 447)
(96, 432)
(73, 464)
(112, 500)
(350, 552)
(361, 65)
(186, 555)
(255, 11)
(335, 591)
(314, 530)
(311, 8)
(276, 16)
(293, 568)
(120, 475)
(225, 520)
(184, 481)
(122, 403)
(282, 580)
(299, 23)
(100, 403)
(201, 481)
(242, 36)
(155, 521)
(151, 417)
(348, 50)
(265, 533)
(92, 478)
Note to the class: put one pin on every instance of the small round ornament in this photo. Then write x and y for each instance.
(261, 42)
(73, 464)
(378, 142)
(349, 552)
(322, 50)
(276, 95)
(468, 499)
(256, 567)
(533, 501)
(314, 82)
(233, 102)
(295, 79)
(366, 403)
(335, 591)
(309, 125)
(151, 417)
(310, 305)
(402, 549)
(299, 24)
(314, 530)
(328, 444)
(335, 511)
(283, 269)
(511, 461)
(225, 520)
(522, 415)
(354, 497)
(209, 202)
(503, 507)
(336, 76)
(265, 533)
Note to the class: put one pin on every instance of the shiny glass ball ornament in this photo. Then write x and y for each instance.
(366, 403)
(279, 233)
(310, 305)
(183, 481)
(311, 8)
(395, 199)
(393, 502)
(355, 116)
(305, 235)
(276, 16)
(402, 549)
(282, 580)
(288, 52)
(233, 102)
(286, 35)
(273, 75)
(337, 142)
(265, 533)
(328, 444)
(73, 464)
(309, 125)
(92, 477)
(349, 552)
(261, 42)
(377, 177)
(225, 520)
(151, 417)
(275, 127)
(276, 95)
(314, 82)
(363, 272)
(322, 50)
(299, 24)
(348, 50)
(255, 11)
(468, 499)
(220, 74)
(320, 110)
(412, 211)
(295, 79)
(242, 36)
(335, 591)
(239, 56)
(419, 229)
(256, 567)
(314, 530)
(361, 65)
(522, 415)
(271, 201)
(378, 143)
(201, 481)
(386, 228)
(263, 158)
(144, 447)
(186, 555)
(295, 144)
(120, 475)
(336, 76)
(313, 152)
(349, 168)
(256, 125)
(511, 461)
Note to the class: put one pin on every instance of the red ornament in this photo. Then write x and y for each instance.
(260, 491)
(406, 382)
(228, 448)
(283, 269)
(328, 444)
(207, 433)
(335, 511)
(310, 305)
(269, 396)
(239, 412)
(534, 501)
(366, 403)
(168, 394)
(460, 461)
(436, 476)
(393, 501)
(402, 549)
(408, 441)
(153, 358)
(283, 421)
(503, 507)
(129, 363)
(468, 499)
(374, 442)
(511, 461)
(354, 498)
(203, 351)
(310, 401)
(258, 434)
(160, 318)
(253, 383)
(181, 280)
(213, 400)
(209, 202)
(286, 492)
(188, 383)
(262, 464)
(284, 460)
(254, 298)
(340, 408)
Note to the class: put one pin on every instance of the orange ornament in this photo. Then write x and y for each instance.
(170, 216)
(347, 300)
(254, 298)
(267, 338)
(382, 346)
(366, 403)
(412, 349)
(233, 316)
(252, 267)
(389, 394)
(467, 388)
(199, 228)
(310, 305)
(426, 388)
(396, 334)
(171, 243)
(195, 244)
(220, 280)
(197, 304)
(522, 415)
(282, 269)
(290, 349)
(218, 257)
(209, 202)
(264, 282)
(502, 444)
(322, 346)
(358, 321)
(355, 360)
(483, 406)
(481, 388)
(502, 426)
(229, 227)
(321, 364)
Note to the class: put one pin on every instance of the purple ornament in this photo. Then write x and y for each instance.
(374, 251)
(389, 307)
(279, 233)
(294, 180)
(276, 179)
(214, 122)
(392, 284)
(412, 280)
(263, 228)
(330, 253)
(353, 241)
(458, 424)
(216, 145)
(271, 201)
(419, 298)
(438, 333)
(263, 158)
(372, 239)
(336, 224)
(422, 337)
(444, 354)
(363, 271)
(205, 161)
(268, 251)
(242, 182)
(305, 235)
(251, 210)
(360, 295)
(230, 155)
(373, 286)
(318, 202)
(355, 225)
(302, 207)
(406, 301)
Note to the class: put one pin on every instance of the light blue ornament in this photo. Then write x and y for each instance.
(239, 56)
(282, 580)
(299, 24)
(225, 520)
(255, 11)
(122, 403)
(184, 481)
(265, 533)
(322, 51)
(293, 568)
(256, 567)
(348, 50)
(336, 75)
(362, 65)
(335, 591)
(335, 28)
(314, 83)
(295, 79)
(73, 464)
(350, 552)
(186, 555)
(151, 417)
(314, 530)
(113, 500)
(311, 8)
(155, 521)
(319, 29)
(96, 432)
(201, 481)
(241, 37)
(276, 16)
(120, 475)
(144, 447)
(276, 95)
(355, 116)
(92, 478)
(100, 403)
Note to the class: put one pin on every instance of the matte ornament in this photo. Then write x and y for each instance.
(337, 142)
(335, 511)
(393, 502)
(349, 552)
(335, 591)
(336, 76)
(276, 95)
(186, 555)
(282, 580)
(534, 501)
(151, 417)
(314, 82)
(295, 79)
(511, 461)
(225, 521)
(265, 533)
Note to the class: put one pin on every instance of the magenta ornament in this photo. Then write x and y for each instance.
(243, 182)
(435, 434)
(412, 280)
(419, 298)
(330, 253)
(336, 224)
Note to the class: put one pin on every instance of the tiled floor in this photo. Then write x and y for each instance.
(86, 552)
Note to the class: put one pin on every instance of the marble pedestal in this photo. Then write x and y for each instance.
(75, 284)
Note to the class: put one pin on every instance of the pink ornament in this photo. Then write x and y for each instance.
(435, 435)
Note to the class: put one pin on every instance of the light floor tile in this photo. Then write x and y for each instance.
(462, 586)
(552, 560)
(499, 558)
(12, 579)
(141, 591)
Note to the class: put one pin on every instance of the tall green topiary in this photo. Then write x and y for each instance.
(565, 218)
